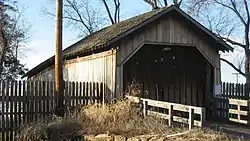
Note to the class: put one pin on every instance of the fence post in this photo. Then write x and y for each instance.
(248, 113)
(145, 108)
(203, 117)
(170, 114)
(191, 118)
(238, 110)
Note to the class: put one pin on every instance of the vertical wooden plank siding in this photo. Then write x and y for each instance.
(48, 97)
(7, 109)
(24, 103)
(11, 109)
(102, 93)
(97, 93)
(36, 102)
(84, 93)
(3, 110)
(43, 97)
(20, 103)
(76, 94)
(80, 93)
(15, 113)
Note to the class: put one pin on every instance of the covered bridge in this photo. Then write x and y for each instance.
(173, 58)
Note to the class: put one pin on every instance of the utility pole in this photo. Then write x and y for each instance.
(59, 60)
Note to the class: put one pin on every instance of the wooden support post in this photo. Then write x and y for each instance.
(170, 114)
(203, 117)
(238, 111)
(145, 108)
(248, 113)
(191, 118)
(59, 60)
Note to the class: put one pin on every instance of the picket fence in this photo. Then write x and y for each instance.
(25, 102)
(234, 91)
(233, 104)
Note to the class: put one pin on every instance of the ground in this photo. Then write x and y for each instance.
(236, 131)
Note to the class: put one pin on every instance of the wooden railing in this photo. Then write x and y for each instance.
(233, 110)
(171, 107)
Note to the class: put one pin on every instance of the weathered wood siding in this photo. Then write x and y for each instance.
(98, 67)
(167, 30)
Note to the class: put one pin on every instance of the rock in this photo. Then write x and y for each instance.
(157, 138)
(103, 137)
(89, 138)
(53, 131)
(57, 131)
(133, 139)
(120, 138)
(145, 137)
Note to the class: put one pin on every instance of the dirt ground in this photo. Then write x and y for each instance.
(236, 131)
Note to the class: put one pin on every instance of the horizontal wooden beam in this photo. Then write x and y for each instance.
(233, 111)
(239, 121)
(163, 104)
(175, 118)
(239, 102)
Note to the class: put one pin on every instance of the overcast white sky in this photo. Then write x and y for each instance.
(41, 44)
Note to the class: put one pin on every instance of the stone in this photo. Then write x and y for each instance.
(133, 139)
(157, 138)
(145, 137)
(89, 138)
(120, 138)
(103, 137)
(53, 131)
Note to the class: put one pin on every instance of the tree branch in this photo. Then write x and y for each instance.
(73, 5)
(233, 66)
(109, 13)
(233, 42)
(234, 9)
(247, 9)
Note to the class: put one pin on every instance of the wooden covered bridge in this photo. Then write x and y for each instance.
(170, 55)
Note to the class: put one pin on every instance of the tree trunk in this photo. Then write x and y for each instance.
(247, 58)
(247, 73)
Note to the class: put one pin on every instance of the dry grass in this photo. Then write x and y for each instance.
(121, 118)
(202, 135)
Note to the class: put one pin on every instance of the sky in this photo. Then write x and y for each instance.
(41, 42)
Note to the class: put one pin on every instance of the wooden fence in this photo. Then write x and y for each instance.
(30, 101)
(234, 91)
(232, 110)
(171, 108)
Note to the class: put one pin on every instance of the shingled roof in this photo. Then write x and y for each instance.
(112, 33)
(103, 36)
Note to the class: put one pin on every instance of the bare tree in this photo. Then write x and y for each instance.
(115, 15)
(85, 18)
(156, 3)
(13, 35)
(80, 15)
(231, 19)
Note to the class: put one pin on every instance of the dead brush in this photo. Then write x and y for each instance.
(120, 118)
(202, 135)
(32, 132)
